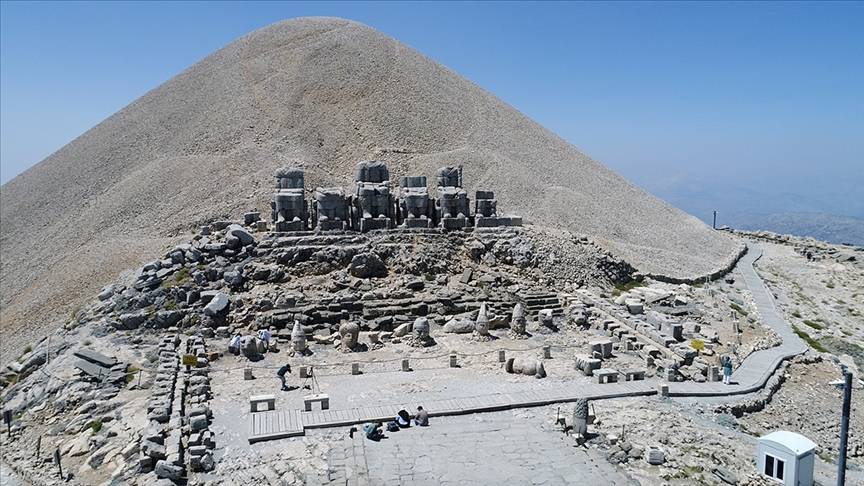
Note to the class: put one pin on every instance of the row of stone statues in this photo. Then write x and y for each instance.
(373, 207)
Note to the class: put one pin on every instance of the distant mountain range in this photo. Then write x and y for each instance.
(836, 217)
(827, 227)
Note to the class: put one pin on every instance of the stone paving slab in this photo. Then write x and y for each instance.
(752, 375)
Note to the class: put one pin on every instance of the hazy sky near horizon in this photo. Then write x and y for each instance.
(721, 103)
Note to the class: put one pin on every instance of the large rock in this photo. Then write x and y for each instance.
(217, 305)
(167, 470)
(249, 346)
(459, 326)
(367, 265)
(241, 234)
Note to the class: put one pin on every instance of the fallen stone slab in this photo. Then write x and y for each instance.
(96, 358)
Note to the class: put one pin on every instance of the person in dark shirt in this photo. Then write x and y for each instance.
(284, 370)
(403, 419)
(373, 431)
(422, 417)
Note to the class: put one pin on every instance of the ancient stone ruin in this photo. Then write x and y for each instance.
(372, 205)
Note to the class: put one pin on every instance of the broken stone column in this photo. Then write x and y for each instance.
(330, 209)
(485, 209)
(580, 417)
(373, 203)
(290, 210)
(452, 205)
(526, 366)
(414, 204)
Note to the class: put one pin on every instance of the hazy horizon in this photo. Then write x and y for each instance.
(749, 109)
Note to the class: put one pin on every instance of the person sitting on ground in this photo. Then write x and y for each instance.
(373, 431)
(403, 420)
(422, 418)
(234, 345)
(285, 369)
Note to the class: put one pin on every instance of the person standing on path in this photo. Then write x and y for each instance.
(285, 369)
(727, 370)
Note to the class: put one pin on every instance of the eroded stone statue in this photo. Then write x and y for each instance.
(580, 418)
(518, 323)
(526, 366)
(349, 334)
(331, 209)
(452, 204)
(481, 325)
(374, 203)
(414, 203)
(298, 338)
(289, 208)
(420, 334)
(485, 209)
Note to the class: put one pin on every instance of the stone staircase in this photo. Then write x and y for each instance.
(535, 301)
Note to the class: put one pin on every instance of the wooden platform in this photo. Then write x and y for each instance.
(274, 424)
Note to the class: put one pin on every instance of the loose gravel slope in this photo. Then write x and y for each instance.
(323, 92)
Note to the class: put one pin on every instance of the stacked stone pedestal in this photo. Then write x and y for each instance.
(161, 448)
(199, 439)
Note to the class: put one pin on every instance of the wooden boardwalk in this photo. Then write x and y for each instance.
(275, 424)
(752, 375)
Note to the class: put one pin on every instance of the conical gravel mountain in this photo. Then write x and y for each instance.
(324, 93)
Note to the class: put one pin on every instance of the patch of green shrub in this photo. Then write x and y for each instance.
(814, 325)
(809, 340)
(622, 287)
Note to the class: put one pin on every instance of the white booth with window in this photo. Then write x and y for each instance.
(786, 457)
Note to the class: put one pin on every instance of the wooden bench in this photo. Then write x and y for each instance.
(634, 375)
(256, 400)
(321, 398)
(606, 375)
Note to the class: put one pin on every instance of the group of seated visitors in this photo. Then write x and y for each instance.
(401, 421)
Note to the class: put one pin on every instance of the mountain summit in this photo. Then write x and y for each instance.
(322, 93)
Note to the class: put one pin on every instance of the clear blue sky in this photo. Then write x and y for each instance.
(700, 103)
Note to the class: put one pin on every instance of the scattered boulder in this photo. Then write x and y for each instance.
(241, 234)
(459, 326)
(367, 265)
(217, 305)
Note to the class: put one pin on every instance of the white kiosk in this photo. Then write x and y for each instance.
(786, 457)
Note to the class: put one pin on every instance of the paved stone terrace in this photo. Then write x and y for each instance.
(450, 453)
(752, 375)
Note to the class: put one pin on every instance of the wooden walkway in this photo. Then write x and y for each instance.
(752, 375)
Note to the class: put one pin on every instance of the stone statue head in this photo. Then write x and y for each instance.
(289, 178)
(349, 334)
(371, 171)
(421, 328)
(517, 322)
(298, 337)
(482, 324)
(450, 177)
